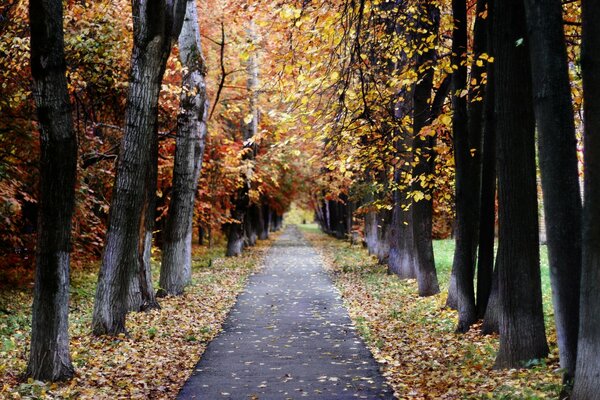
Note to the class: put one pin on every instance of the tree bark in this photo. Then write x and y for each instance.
(491, 320)
(176, 263)
(487, 215)
(463, 264)
(487, 198)
(522, 333)
(156, 24)
(587, 375)
(141, 292)
(263, 233)
(424, 153)
(558, 164)
(49, 357)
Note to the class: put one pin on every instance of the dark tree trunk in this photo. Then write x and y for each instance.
(371, 231)
(402, 259)
(487, 202)
(49, 357)
(176, 265)
(424, 154)
(384, 218)
(263, 231)
(558, 164)
(587, 375)
(491, 320)
(522, 334)
(201, 235)
(463, 264)
(475, 114)
(141, 292)
(235, 231)
(156, 25)
(487, 216)
(273, 217)
(250, 225)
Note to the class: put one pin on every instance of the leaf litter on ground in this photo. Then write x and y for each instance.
(414, 338)
(162, 346)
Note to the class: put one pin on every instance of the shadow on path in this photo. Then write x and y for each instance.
(287, 337)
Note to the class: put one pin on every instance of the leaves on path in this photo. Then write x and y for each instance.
(158, 355)
(414, 341)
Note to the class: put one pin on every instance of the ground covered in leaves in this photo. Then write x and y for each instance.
(413, 338)
(163, 345)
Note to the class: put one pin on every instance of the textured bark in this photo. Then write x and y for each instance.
(475, 114)
(425, 154)
(522, 333)
(49, 357)
(176, 264)
(371, 232)
(587, 375)
(463, 263)
(155, 25)
(487, 197)
(491, 320)
(402, 259)
(382, 247)
(487, 215)
(235, 231)
(558, 164)
(141, 292)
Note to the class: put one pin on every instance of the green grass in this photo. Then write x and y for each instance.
(444, 253)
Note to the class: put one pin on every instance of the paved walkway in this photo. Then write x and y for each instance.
(287, 337)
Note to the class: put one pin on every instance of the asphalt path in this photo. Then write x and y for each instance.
(288, 337)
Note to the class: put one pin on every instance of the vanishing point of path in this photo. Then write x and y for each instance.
(287, 337)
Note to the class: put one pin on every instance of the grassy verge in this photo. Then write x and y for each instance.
(413, 338)
(163, 345)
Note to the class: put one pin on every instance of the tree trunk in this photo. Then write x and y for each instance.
(487, 215)
(487, 199)
(475, 114)
(235, 231)
(522, 334)
(250, 225)
(156, 24)
(587, 375)
(263, 231)
(425, 154)
(49, 357)
(491, 320)
(463, 264)
(176, 264)
(141, 292)
(383, 223)
(558, 164)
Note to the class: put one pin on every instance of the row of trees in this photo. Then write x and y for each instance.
(510, 69)
(262, 175)
(394, 114)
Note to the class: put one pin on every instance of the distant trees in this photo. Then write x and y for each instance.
(49, 357)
